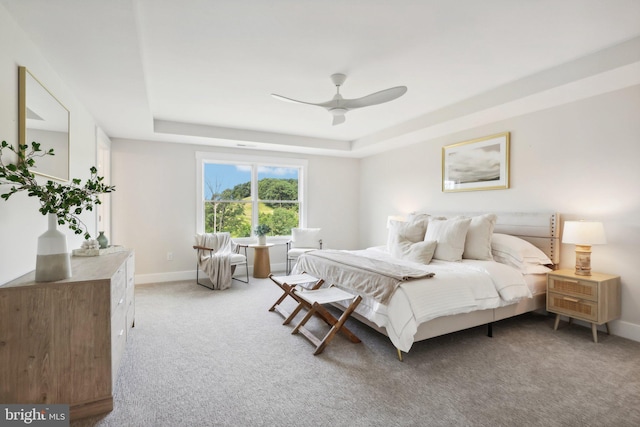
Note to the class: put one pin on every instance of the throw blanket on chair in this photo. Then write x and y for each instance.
(217, 262)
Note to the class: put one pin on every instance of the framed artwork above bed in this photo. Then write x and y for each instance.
(479, 164)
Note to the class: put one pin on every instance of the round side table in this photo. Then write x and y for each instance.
(261, 263)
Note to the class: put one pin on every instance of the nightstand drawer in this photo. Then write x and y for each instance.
(581, 289)
(572, 307)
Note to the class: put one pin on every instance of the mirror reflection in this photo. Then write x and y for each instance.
(45, 120)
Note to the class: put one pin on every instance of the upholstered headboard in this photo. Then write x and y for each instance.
(539, 228)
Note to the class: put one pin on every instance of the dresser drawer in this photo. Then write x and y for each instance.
(119, 304)
(118, 342)
(130, 294)
(130, 271)
(581, 289)
(572, 307)
(118, 286)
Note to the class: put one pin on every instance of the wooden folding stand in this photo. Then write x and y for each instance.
(313, 301)
(288, 284)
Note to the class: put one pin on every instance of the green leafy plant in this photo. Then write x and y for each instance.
(66, 201)
(262, 229)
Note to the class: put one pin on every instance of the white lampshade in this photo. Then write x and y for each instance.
(583, 233)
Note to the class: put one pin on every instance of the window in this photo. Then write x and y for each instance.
(236, 193)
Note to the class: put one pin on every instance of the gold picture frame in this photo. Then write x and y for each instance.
(478, 164)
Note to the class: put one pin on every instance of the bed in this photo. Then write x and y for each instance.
(501, 272)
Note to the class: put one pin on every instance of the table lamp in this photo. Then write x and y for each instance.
(583, 234)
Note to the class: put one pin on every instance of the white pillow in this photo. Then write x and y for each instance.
(418, 216)
(478, 242)
(411, 231)
(305, 237)
(517, 252)
(450, 235)
(420, 252)
(522, 266)
(535, 269)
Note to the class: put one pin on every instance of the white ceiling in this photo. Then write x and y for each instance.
(202, 70)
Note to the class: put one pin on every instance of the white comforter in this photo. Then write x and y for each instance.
(457, 287)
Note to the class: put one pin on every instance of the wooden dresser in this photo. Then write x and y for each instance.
(61, 342)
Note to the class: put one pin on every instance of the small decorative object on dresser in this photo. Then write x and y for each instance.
(102, 240)
(594, 299)
(90, 244)
(91, 247)
(52, 259)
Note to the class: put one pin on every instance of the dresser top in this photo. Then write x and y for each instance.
(83, 269)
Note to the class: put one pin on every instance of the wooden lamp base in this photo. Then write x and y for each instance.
(583, 260)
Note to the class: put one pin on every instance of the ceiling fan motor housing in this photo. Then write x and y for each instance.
(338, 79)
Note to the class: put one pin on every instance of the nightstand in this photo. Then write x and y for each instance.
(594, 299)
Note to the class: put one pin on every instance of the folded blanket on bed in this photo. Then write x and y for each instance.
(369, 277)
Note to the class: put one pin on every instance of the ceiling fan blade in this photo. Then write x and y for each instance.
(338, 119)
(284, 98)
(375, 98)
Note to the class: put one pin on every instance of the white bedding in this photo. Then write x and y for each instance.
(456, 287)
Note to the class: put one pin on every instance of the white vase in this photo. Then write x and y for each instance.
(52, 262)
(262, 240)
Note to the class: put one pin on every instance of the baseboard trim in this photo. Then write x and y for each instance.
(626, 330)
(619, 328)
(172, 276)
(175, 276)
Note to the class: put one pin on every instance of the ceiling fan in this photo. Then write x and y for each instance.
(339, 106)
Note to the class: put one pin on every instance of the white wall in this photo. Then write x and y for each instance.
(581, 160)
(20, 221)
(154, 205)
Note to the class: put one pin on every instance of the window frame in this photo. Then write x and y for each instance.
(255, 162)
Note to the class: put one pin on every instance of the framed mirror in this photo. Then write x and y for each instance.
(45, 120)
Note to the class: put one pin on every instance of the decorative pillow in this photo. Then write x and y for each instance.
(450, 235)
(478, 242)
(305, 237)
(420, 252)
(514, 251)
(421, 219)
(418, 216)
(411, 231)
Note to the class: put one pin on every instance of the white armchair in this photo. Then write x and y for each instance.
(218, 256)
(302, 240)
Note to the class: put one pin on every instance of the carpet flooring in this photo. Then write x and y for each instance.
(218, 358)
